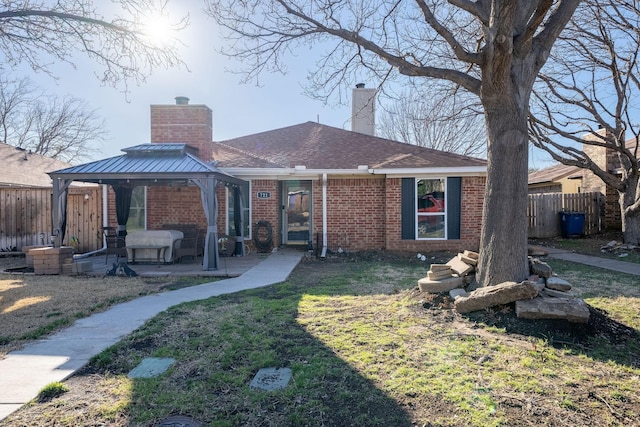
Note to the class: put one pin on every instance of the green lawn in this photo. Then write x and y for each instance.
(366, 349)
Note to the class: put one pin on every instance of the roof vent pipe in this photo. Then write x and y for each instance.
(182, 100)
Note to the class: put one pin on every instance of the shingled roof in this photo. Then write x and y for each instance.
(554, 173)
(21, 168)
(318, 146)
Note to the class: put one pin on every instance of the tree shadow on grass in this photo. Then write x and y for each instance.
(219, 344)
(602, 338)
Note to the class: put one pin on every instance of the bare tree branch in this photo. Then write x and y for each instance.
(32, 30)
(437, 120)
(62, 128)
(589, 89)
(492, 49)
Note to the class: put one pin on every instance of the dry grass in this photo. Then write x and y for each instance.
(32, 306)
(366, 348)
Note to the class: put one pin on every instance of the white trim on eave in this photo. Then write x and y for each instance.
(443, 171)
(283, 173)
(301, 171)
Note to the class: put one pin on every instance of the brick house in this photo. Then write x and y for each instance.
(556, 179)
(607, 159)
(324, 187)
(562, 178)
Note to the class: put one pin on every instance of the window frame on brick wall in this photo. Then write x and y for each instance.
(452, 213)
(431, 216)
(247, 208)
(138, 207)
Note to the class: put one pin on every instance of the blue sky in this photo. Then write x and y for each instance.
(238, 109)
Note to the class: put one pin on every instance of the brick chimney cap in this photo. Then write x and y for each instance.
(182, 100)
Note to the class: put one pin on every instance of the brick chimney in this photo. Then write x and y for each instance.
(363, 110)
(184, 123)
(605, 158)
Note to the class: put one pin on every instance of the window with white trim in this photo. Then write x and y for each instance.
(137, 212)
(430, 206)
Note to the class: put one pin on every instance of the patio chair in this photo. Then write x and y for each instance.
(115, 244)
(188, 245)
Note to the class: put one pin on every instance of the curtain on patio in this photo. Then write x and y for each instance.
(123, 204)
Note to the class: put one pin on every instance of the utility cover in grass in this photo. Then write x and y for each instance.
(151, 367)
(271, 379)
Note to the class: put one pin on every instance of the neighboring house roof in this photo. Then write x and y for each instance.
(21, 168)
(554, 173)
(148, 164)
(322, 147)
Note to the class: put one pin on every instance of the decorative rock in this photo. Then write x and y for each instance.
(540, 268)
(439, 267)
(471, 254)
(457, 293)
(437, 286)
(460, 267)
(537, 251)
(468, 260)
(151, 367)
(539, 283)
(271, 379)
(439, 275)
(553, 293)
(490, 296)
(469, 278)
(558, 284)
(573, 310)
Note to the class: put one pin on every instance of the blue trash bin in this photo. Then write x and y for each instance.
(571, 224)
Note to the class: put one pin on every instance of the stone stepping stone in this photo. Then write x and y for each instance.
(271, 379)
(151, 367)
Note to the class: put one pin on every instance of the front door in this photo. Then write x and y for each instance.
(297, 212)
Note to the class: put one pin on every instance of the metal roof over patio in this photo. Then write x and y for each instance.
(167, 164)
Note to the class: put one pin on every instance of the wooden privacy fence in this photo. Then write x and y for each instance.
(544, 212)
(25, 218)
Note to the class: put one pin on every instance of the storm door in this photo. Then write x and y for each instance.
(297, 212)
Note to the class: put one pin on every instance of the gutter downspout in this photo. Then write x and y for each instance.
(105, 223)
(324, 216)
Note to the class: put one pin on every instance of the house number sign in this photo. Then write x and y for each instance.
(264, 194)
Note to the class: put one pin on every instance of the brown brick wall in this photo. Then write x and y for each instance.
(591, 182)
(190, 124)
(612, 216)
(363, 213)
(471, 219)
(356, 213)
(266, 209)
(168, 205)
(605, 159)
(174, 205)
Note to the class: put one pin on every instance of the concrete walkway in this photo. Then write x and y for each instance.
(606, 263)
(23, 373)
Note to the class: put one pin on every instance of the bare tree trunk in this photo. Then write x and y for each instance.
(503, 242)
(630, 217)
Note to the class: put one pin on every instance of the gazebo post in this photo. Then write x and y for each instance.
(210, 205)
(59, 209)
